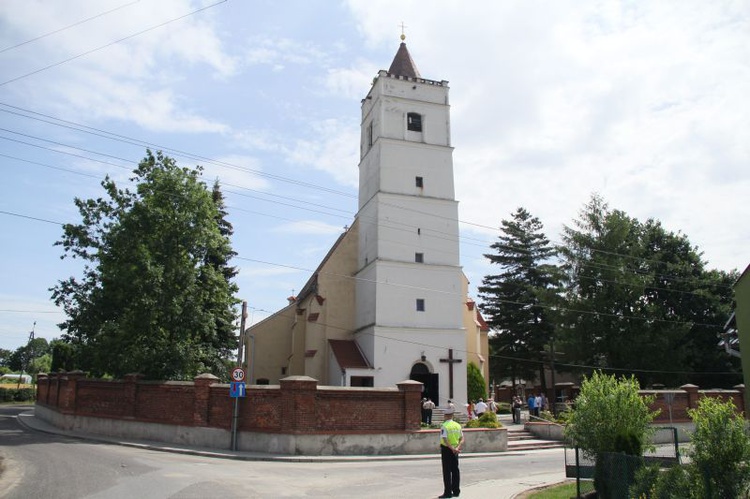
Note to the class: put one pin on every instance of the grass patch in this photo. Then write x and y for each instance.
(565, 490)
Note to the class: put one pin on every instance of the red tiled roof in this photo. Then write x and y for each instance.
(482, 323)
(348, 354)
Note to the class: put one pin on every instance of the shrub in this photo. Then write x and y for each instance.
(721, 449)
(475, 386)
(720, 459)
(605, 408)
(547, 416)
(653, 483)
(609, 416)
(13, 394)
(503, 407)
(486, 420)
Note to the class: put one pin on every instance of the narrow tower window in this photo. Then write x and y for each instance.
(420, 304)
(419, 181)
(414, 122)
(419, 257)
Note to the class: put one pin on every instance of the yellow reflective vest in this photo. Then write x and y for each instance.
(450, 433)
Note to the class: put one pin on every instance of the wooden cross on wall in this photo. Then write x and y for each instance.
(450, 360)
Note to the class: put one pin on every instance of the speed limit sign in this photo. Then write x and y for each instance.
(238, 374)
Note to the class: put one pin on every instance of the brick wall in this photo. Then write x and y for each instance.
(684, 398)
(296, 406)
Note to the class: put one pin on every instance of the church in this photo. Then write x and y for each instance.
(389, 301)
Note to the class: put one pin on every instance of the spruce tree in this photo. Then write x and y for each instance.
(517, 301)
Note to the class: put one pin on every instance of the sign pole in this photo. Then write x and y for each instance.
(236, 409)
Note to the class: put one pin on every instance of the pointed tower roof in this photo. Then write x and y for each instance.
(403, 64)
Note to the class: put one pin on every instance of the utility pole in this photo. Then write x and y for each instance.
(242, 334)
(25, 363)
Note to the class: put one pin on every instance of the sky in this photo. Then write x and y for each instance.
(643, 103)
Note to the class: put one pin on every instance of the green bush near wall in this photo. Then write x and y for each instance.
(13, 394)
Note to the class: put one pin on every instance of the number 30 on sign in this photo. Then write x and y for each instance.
(238, 374)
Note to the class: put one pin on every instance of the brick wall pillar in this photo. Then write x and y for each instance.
(692, 395)
(130, 392)
(741, 406)
(298, 404)
(68, 403)
(53, 395)
(411, 392)
(42, 387)
(202, 395)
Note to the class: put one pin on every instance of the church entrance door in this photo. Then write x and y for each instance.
(431, 389)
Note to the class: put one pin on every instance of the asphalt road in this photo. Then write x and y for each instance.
(39, 465)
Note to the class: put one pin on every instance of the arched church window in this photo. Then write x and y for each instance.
(414, 122)
(420, 368)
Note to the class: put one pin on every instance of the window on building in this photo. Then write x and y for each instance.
(414, 122)
(419, 181)
(369, 135)
(262, 381)
(419, 257)
(419, 231)
(362, 381)
(283, 371)
(420, 304)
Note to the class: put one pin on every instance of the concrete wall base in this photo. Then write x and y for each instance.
(554, 431)
(381, 444)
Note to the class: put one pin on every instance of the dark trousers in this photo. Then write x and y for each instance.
(424, 415)
(429, 416)
(451, 475)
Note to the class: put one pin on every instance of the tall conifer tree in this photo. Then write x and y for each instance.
(516, 302)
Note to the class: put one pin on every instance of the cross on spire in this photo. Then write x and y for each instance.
(403, 26)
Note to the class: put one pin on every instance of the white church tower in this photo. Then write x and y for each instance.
(409, 283)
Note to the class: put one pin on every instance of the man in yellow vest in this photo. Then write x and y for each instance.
(451, 440)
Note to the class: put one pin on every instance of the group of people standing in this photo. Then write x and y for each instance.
(475, 410)
(537, 403)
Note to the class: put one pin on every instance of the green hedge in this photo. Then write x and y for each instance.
(17, 394)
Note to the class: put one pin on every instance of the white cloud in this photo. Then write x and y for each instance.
(644, 103)
(351, 82)
(277, 52)
(235, 171)
(333, 147)
(130, 79)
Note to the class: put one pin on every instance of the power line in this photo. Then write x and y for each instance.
(121, 138)
(421, 288)
(438, 291)
(282, 313)
(59, 63)
(108, 135)
(67, 27)
(51, 120)
(10, 213)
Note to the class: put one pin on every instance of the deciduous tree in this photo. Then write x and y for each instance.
(156, 295)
